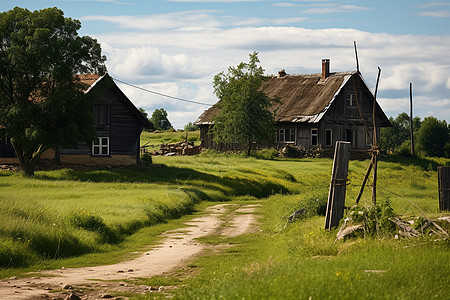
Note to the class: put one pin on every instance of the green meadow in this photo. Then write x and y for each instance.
(85, 217)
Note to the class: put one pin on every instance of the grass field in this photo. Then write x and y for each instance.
(166, 137)
(84, 217)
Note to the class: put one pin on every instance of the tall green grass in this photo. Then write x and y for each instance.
(94, 212)
(301, 260)
(166, 137)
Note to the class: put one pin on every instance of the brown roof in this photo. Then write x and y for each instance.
(88, 79)
(303, 98)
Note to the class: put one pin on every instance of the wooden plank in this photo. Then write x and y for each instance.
(338, 185)
(444, 188)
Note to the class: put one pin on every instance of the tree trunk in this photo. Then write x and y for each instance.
(27, 161)
(249, 150)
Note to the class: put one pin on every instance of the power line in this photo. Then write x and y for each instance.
(161, 94)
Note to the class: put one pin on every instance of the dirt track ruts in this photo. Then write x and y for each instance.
(95, 282)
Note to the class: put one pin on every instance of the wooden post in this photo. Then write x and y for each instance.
(444, 188)
(338, 185)
(411, 119)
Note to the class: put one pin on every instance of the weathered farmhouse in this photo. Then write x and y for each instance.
(315, 110)
(118, 124)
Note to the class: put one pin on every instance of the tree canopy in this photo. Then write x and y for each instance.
(432, 136)
(245, 116)
(42, 104)
(160, 120)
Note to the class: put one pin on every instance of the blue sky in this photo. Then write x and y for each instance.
(176, 46)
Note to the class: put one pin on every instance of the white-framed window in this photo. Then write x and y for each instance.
(328, 137)
(100, 146)
(351, 98)
(286, 135)
(314, 137)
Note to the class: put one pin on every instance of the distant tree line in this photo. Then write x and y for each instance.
(431, 136)
(160, 120)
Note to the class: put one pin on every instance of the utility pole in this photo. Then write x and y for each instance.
(411, 129)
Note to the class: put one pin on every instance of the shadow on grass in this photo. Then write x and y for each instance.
(425, 164)
(198, 181)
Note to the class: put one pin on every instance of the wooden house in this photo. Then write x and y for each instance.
(314, 110)
(118, 124)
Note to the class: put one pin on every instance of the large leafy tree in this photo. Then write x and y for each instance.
(160, 120)
(245, 116)
(433, 135)
(42, 104)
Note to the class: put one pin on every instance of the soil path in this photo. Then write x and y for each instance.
(101, 281)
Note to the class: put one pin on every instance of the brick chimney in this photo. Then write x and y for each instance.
(282, 73)
(325, 68)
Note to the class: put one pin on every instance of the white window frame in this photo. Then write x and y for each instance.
(351, 99)
(316, 135)
(286, 135)
(331, 137)
(100, 143)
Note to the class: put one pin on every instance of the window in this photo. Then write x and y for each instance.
(281, 135)
(314, 137)
(286, 135)
(351, 98)
(102, 114)
(100, 146)
(349, 136)
(328, 137)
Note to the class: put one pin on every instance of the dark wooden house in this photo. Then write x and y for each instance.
(315, 110)
(118, 124)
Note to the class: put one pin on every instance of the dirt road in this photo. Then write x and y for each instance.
(101, 282)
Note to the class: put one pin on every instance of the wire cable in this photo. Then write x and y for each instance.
(161, 94)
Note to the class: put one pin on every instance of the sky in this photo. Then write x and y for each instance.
(175, 47)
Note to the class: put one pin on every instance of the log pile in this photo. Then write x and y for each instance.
(181, 148)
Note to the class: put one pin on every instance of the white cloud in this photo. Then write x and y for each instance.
(434, 4)
(108, 1)
(181, 61)
(333, 8)
(436, 14)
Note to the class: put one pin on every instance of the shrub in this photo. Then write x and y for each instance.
(404, 149)
(374, 218)
(146, 158)
(268, 154)
(447, 150)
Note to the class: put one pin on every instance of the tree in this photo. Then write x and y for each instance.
(143, 112)
(160, 120)
(393, 137)
(190, 127)
(432, 136)
(245, 115)
(42, 104)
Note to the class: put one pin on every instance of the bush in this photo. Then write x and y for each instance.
(404, 149)
(374, 218)
(447, 150)
(146, 158)
(268, 154)
(291, 152)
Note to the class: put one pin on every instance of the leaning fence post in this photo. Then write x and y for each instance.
(444, 188)
(338, 185)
